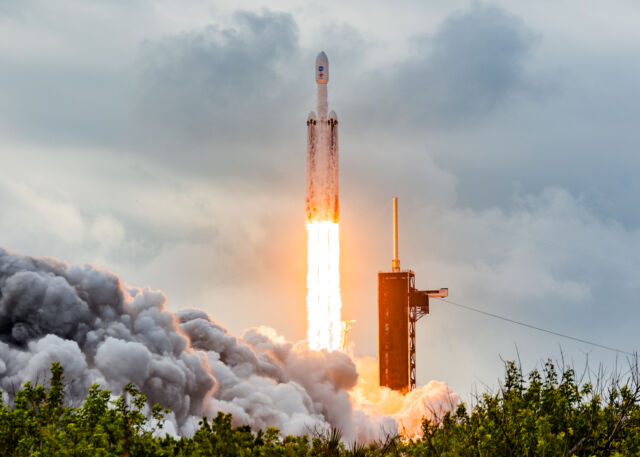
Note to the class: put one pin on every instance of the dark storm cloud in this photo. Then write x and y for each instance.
(206, 80)
(219, 85)
(463, 71)
(469, 66)
(220, 99)
(214, 95)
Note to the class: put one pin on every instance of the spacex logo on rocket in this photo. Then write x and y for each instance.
(322, 216)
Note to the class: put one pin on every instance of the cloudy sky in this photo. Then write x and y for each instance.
(165, 141)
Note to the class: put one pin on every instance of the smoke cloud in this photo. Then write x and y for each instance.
(103, 330)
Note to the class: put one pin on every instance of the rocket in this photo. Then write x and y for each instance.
(322, 153)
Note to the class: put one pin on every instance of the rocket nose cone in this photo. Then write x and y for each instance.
(322, 57)
(322, 68)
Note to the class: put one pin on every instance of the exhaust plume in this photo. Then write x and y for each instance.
(106, 331)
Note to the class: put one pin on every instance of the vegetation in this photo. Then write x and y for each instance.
(551, 413)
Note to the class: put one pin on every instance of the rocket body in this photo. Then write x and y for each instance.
(322, 153)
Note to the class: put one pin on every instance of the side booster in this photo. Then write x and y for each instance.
(322, 153)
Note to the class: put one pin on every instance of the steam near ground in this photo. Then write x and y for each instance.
(103, 330)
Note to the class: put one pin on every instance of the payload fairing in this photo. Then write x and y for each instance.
(322, 153)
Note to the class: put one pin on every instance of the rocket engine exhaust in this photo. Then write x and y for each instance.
(322, 221)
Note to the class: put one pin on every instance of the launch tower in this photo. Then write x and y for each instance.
(400, 306)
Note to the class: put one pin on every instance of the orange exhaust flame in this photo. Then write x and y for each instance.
(323, 286)
(430, 401)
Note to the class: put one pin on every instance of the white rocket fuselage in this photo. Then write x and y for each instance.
(322, 153)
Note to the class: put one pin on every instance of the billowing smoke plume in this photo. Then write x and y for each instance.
(103, 330)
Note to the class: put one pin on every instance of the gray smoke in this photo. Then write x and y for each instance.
(103, 330)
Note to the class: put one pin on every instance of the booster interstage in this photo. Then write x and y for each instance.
(322, 207)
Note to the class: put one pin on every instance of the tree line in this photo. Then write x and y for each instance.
(549, 412)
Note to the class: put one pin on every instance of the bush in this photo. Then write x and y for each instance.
(548, 414)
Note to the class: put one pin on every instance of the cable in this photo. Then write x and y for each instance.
(486, 313)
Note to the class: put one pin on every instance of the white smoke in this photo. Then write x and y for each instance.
(103, 330)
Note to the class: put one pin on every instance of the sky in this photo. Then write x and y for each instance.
(165, 141)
